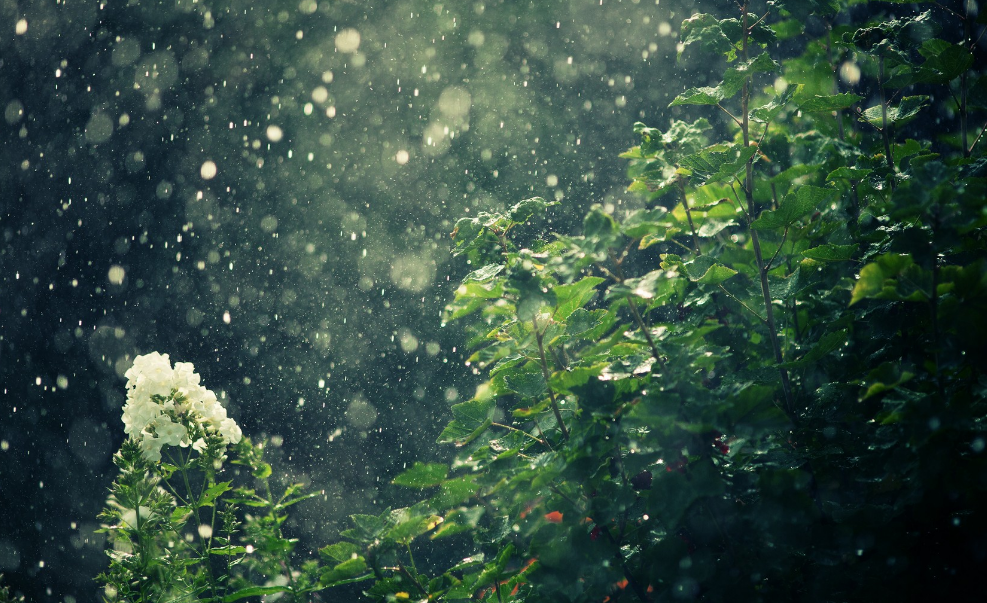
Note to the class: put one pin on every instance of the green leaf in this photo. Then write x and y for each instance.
(733, 81)
(471, 419)
(213, 492)
(806, 199)
(345, 573)
(340, 551)
(524, 210)
(484, 274)
(641, 222)
(944, 61)
(589, 323)
(831, 252)
(708, 274)
(255, 591)
(849, 173)
(718, 163)
(826, 344)
(705, 30)
(422, 475)
(460, 520)
(768, 112)
(906, 110)
(409, 525)
(877, 279)
(455, 492)
(525, 383)
(706, 95)
(833, 102)
(569, 298)
(228, 550)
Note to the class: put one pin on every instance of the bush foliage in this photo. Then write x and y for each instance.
(765, 383)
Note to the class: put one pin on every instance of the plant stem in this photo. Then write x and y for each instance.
(964, 82)
(884, 118)
(285, 564)
(404, 572)
(688, 215)
(547, 374)
(755, 241)
(521, 431)
(836, 79)
(641, 593)
(193, 501)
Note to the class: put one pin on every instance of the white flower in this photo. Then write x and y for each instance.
(152, 417)
(230, 431)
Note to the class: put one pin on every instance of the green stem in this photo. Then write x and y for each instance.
(688, 215)
(964, 82)
(884, 119)
(547, 374)
(755, 241)
(836, 79)
(521, 431)
(193, 502)
(285, 562)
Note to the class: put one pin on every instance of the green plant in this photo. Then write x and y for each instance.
(765, 383)
(177, 532)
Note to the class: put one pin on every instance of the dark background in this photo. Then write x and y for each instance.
(305, 279)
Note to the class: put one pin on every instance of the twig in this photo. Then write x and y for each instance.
(739, 301)
(521, 431)
(784, 237)
(732, 116)
(688, 215)
(547, 374)
(977, 139)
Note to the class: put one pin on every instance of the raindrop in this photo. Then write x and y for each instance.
(208, 170)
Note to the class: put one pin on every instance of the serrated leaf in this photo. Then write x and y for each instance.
(339, 551)
(849, 173)
(706, 95)
(718, 163)
(706, 31)
(255, 591)
(213, 492)
(641, 222)
(460, 520)
(795, 205)
(346, 572)
(714, 275)
(523, 211)
(484, 274)
(906, 110)
(877, 279)
(527, 384)
(472, 418)
(834, 102)
(768, 112)
(588, 323)
(422, 475)
(831, 253)
(409, 525)
(569, 298)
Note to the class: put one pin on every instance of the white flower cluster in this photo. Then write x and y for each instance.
(164, 404)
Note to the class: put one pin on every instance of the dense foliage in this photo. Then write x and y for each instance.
(765, 383)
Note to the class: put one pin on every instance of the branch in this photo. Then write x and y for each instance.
(777, 251)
